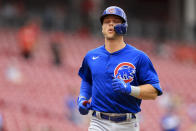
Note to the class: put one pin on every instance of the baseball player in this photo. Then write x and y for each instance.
(116, 77)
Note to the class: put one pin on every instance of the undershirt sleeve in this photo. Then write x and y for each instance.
(85, 90)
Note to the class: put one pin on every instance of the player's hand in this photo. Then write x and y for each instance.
(83, 106)
(120, 86)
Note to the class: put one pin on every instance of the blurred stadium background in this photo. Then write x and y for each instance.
(42, 44)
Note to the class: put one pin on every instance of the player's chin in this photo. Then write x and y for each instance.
(110, 36)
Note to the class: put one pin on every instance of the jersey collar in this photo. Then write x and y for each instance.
(116, 52)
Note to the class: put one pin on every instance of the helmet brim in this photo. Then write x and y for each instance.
(103, 16)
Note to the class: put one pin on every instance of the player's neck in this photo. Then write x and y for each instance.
(113, 45)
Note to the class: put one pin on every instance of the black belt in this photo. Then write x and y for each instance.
(114, 118)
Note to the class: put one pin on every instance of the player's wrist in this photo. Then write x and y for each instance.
(135, 91)
(81, 99)
(128, 88)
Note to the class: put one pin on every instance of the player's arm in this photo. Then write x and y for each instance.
(85, 90)
(149, 87)
(147, 92)
(85, 95)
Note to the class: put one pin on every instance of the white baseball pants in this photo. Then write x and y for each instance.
(99, 124)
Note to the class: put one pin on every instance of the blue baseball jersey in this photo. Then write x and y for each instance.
(130, 64)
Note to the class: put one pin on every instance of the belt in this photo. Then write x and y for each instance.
(120, 118)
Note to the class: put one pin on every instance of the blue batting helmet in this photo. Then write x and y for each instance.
(117, 11)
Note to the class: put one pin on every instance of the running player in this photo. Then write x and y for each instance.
(116, 77)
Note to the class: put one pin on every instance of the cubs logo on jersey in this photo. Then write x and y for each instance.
(125, 71)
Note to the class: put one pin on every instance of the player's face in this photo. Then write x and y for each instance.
(108, 26)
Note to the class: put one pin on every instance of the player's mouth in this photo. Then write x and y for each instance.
(110, 30)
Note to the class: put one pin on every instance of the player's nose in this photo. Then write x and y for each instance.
(111, 23)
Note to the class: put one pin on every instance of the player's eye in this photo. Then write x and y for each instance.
(117, 21)
(106, 21)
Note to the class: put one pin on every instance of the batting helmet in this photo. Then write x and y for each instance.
(117, 11)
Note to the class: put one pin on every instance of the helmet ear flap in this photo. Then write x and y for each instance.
(121, 29)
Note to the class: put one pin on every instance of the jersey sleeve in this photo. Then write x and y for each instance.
(147, 74)
(84, 71)
(85, 90)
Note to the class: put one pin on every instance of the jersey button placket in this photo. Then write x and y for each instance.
(108, 63)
